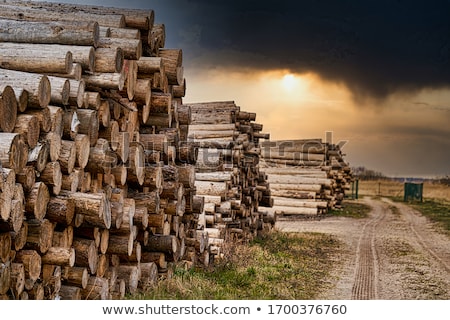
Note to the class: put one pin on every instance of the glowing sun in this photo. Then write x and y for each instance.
(289, 81)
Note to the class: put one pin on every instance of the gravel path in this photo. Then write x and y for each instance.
(395, 253)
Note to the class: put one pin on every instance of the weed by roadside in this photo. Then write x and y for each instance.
(280, 266)
(352, 209)
(437, 211)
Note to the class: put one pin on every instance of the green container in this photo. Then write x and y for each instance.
(413, 191)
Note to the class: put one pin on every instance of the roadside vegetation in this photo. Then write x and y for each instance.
(351, 209)
(437, 211)
(436, 198)
(276, 266)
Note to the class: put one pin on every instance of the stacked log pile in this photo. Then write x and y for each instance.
(306, 177)
(101, 189)
(228, 176)
(97, 180)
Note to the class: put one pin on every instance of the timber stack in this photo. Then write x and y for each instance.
(101, 190)
(306, 177)
(228, 177)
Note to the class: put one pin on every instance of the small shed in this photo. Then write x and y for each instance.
(413, 191)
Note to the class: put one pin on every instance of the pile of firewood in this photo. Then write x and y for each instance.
(305, 177)
(101, 187)
(227, 171)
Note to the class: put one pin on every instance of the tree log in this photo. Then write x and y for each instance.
(96, 289)
(85, 254)
(94, 206)
(64, 257)
(67, 292)
(37, 201)
(109, 60)
(40, 234)
(52, 176)
(132, 48)
(82, 146)
(31, 261)
(67, 156)
(76, 276)
(61, 210)
(8, 109)
(82, 34)
(89, 124)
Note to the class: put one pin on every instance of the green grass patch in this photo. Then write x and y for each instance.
(437, 211)
(276, 266)
(352, 209)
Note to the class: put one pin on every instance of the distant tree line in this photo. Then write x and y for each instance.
(363, 173)
(445, 180)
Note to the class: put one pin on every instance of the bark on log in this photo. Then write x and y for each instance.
(173, 60)
(37, 85)
(59, 256)
(44, 118)
(85, 254)
(67, 292)
(8, 109)
(28, 126)
(121, 244)
(31, 261)
(94, 206)
(132, 48)
(81, 34)
(67, 156)
(19, 238)
(82, 146)
(131, 275)
(76, 276)
(52, 176)
(5, 247)
(134, 18)
(61, 210)
(109, 60)
(17, 279)
(96, 289)
(149, 276)
(162, 243)
(37, 201)
(37, 58)
(113, 81)
(92, 100)
(89, 124)
(40, 234)
(136, 169)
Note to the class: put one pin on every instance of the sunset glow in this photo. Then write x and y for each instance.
(289, 82)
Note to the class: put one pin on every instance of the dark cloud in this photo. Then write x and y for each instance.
(374, 47)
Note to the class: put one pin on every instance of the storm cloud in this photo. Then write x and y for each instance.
(375, 48)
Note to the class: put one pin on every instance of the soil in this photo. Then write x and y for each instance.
(393, 254)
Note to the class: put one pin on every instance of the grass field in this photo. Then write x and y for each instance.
(436, 198)
(391, 188)
(280, 266)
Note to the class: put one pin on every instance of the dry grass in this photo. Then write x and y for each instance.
(391, 188)
(280, 266)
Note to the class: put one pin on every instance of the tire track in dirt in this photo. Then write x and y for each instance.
(393, 253)
(416, 223)
(366, 265)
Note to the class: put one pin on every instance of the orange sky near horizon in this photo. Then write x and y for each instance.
(392, 136)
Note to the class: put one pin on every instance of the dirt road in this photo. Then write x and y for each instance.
(393, 254)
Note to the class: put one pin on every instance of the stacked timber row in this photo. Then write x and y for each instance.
(97, 179)
(227, 176)
(306, 177)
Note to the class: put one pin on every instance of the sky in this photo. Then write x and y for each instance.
(376, 74)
